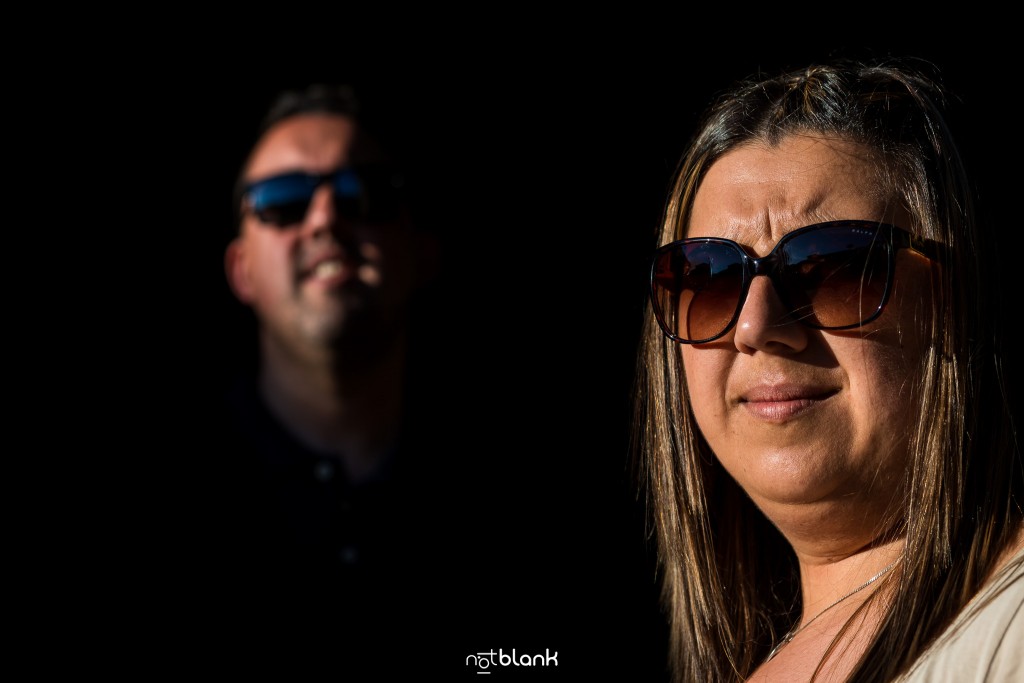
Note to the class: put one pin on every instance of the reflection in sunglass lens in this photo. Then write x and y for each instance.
(833, 277)
(698, 287)
(284, 214)
(829, 276)
(282, 200)
(368, 194)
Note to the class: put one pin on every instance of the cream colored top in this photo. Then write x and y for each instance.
(986, 642)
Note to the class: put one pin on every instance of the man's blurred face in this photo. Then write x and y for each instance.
(315, 266)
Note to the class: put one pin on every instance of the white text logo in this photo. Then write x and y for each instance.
(485, 661)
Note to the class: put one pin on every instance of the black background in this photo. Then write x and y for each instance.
(550, 153)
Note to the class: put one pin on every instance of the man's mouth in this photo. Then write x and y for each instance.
(332, 269)
(328, 269)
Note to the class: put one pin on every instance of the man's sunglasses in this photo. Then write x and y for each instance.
(369, 194)
(829, 276)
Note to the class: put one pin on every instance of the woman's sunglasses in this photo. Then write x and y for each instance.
(370, 194)
(830, 276)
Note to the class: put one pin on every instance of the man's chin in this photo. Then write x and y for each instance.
(348, 327)
(329, 327)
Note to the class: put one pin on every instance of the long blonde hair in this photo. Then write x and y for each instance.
(730, 582)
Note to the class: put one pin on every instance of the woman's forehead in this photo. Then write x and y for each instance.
(759, 192)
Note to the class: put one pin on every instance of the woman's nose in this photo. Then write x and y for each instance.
(764, 323)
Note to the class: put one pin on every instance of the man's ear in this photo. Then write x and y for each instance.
(236, 268)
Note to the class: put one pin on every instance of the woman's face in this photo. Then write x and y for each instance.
(812, 424)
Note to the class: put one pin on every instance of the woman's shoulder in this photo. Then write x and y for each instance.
(984, 642)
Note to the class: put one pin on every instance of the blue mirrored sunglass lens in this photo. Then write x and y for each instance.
(348, 184)
(286, 189)
(365, 194)
(299, 187)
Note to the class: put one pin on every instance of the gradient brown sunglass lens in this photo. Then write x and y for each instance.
(697, 288)
(834, 277)
(828, 276)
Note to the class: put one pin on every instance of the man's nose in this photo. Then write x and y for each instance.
(323, 217)
(765, 324)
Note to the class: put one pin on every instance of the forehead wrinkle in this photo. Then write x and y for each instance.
(784, 212)
(779, 218)
(757, 193)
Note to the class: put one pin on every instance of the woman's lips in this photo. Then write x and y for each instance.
(779, 403)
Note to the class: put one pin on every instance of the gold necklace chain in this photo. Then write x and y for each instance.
(793, 633)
